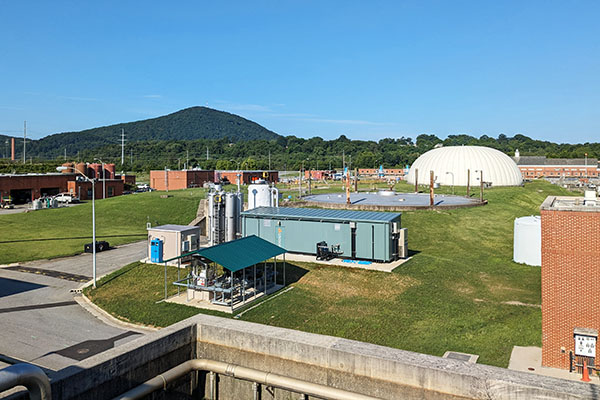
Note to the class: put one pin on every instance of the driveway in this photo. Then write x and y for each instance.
(42, 323)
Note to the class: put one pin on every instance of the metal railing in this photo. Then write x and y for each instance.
(238, 372)
(30, 376)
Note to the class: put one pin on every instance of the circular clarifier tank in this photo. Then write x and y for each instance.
(393, 200)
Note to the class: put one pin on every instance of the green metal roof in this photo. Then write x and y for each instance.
(321, 214)
(239, 254)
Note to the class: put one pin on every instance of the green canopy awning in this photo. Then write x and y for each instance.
(239, 254)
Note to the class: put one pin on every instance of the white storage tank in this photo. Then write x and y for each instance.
(230, 221)
(262, 195)
(528, 240)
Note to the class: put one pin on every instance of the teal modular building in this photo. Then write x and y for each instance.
(361, 235)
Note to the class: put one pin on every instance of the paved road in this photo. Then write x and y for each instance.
(40, 320)
(19, 208)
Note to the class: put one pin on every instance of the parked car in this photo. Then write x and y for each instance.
(101, 245)
(66, 198)
(7, 203)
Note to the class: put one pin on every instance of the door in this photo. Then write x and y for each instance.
(280, 236)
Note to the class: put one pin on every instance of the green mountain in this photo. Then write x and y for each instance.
(189, 124)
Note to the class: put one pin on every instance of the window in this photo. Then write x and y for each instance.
(111, 191)
(89, 194)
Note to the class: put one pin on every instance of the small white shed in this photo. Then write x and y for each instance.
(176, 239)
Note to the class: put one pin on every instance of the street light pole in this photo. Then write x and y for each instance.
(94, 234)
(93, 183)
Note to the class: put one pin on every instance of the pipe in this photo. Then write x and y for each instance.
(238, 372)
(30, 376)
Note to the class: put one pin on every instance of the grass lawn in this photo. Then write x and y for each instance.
(49, 233)
(452, 295)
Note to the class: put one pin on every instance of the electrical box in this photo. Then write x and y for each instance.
(402, 243)
(156, 250)
(585, 342)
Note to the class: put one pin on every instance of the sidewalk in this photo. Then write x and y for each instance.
(529, 359)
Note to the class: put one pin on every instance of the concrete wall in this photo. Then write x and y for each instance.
(115, 371)
(360, 367)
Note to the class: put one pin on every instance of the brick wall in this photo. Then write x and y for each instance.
(179, 179)
(570, 280)
(38, 184)
(568, 171)
(82, 189)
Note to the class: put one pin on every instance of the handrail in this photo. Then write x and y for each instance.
(30, 376)
(239, 372)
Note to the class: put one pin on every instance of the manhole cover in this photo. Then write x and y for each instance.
(83, 351)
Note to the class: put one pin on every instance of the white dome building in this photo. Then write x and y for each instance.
(450, 165)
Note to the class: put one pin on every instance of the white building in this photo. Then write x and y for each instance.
(450, 166)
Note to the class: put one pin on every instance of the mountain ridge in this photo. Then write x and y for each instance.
(191, 123)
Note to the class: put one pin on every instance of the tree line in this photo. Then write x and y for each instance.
(293, 153)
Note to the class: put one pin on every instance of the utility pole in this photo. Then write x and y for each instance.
(187, 159)
(206, 153)
(122, 146)
(416, 180)
(65, 154)
(343, 160)
(269, 160)
(24, 138)
(430, 188)
(131, 156)
(166, 179)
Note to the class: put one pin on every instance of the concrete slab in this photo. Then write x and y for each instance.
(529, 359)
(338, 262)
(193, 300)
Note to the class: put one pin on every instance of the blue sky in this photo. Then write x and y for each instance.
(366, 69)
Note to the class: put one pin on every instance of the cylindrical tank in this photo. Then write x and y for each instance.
(211, 219)
(230, 223)
(54, 203)
(110, 171)
(238, 213)
(528, 241)
(259, 195)
(37, 204)
(69, 168)
(82, 168)
(274, 197)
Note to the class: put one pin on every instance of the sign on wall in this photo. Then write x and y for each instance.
(585, 345)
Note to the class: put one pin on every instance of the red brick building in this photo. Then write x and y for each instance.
(83, 189)
(539, 166)
(319, 174)
(570, 277)
(180, 179)
(22, 188)
(247, 176)
(127, 179)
